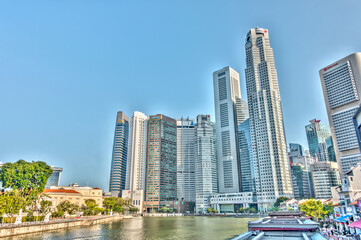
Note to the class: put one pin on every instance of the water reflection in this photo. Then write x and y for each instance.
(152, 228)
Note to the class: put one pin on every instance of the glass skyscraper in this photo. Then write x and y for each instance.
(246, 158)
(320, 141)
(119, 156)
(161, 177)
(54, 179)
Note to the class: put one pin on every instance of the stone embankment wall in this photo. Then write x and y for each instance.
(7, 231)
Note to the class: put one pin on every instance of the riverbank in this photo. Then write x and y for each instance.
(9, 230)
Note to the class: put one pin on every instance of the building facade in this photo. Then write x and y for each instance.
(205, 162)
(161, 177)
(246, 158)
(325, 175)
(119, 157)
(269, 149)
(341, 85)
(302, 182)
(226, 92)
(232, 202)
(185, 160)
(296, 150)
(319, 140)
(137, 159)
(54, 179)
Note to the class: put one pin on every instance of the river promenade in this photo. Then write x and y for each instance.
(11, 229)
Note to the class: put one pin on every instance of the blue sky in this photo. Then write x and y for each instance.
(67, 67)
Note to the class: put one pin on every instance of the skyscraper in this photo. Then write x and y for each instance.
(246, 158)
(325, 175)
(54, 179)
(317, 134)
(272, 170)
(185, 160)
(137, 159)
(226, 92)
(119, 156)
(205, 162)
(341, 85)
(161, 177)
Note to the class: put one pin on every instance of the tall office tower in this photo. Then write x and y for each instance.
(226, 91)
(341, 85)
(119, 156)
(325, 175)
(296, 150)
(137, 159)
(272, 170)
(241, 110)
(246, 159)
(205, 162)
(302, 182)
(317, 133)
(161, 177)
(185, 160)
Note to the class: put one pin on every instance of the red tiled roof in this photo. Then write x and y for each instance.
(97, 188)
(354, 203)
(60, 191)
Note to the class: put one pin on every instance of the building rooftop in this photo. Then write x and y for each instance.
(60, 191)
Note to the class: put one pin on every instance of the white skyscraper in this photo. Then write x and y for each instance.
(269, 149)
(341, 85)
(226, 92)
(185, 160)
(205, 162)
(137, 158)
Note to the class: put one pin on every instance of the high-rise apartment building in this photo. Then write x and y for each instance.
(185, 160)
(246, 157)
(161, 177)
(269, 149)
(137, 159)
(226, 92)
(119, 156)
(205, 162)
(341, 85)
(325, 175)
(319, 140)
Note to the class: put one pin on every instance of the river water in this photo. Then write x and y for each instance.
(150, 228)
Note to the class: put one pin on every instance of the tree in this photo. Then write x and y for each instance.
(280, 200)
(164, 209)
(209, 210)
(313, 208)
(252, 210)
(28, 178)
(241, 209)
(11, 203)
(328, 208)
(45, 207)
(133, 209)
(91, 208)
(109, 203)
(65, 207)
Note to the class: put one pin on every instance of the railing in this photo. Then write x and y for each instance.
(10, 225)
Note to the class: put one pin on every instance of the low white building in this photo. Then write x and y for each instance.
(232, 202)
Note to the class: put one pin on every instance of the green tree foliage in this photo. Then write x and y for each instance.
(11, 202)
(328, 208)
(117, 204)
(280, 200)
(65, 207)
(91, 208)
(29, 178)
(211, 210)
(313, 208)
(165, 209)
(133, 209)
(45, 207)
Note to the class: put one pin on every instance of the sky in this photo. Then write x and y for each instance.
(67, 67)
